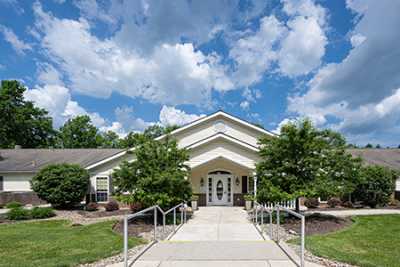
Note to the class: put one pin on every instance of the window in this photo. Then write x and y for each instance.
(209, 189)
(250, 188)
(244, 185)
(1, 183)
(102, 189)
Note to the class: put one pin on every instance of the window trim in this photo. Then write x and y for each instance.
(108, 187)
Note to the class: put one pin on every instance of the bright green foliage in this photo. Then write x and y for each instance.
(110, 139)
(57, 243)
(157, 176)
(305, 161)
(154, 131)
(42, 213)
(79, 132)
(21, 122)
(376, 186)
(13, 205)
(369, 242)
(19, 213)
(62, 185)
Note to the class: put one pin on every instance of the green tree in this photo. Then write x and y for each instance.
(79, 132)
(305, 161)
(21, 122)
(62, 185)
(110, 139)
(152, 132)
(369, 145)
(156, 176)
(376, 186)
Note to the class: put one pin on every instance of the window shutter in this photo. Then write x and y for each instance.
(244, 184)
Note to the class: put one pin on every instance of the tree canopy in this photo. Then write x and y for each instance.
(79, 132)
(21, 122)
(305, 161)
(157, 176)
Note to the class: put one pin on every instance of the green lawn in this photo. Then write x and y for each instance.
(56, 243)
(369, 241)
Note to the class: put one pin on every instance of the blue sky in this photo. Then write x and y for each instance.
(130, 64)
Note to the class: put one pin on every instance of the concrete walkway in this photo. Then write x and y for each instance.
(216, 236)
(357, 212)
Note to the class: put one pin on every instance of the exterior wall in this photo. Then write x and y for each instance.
(207, 129)
(398, 184)
(220, 148)
(17, 182)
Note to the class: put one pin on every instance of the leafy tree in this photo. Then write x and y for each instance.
(305, 161)
(398, 146)
(376, 186)
(152, 132)
(21, 122)
(378, 146)
(156, 176)
(79, 132)
(110, 139)
(62, 185)
(369, 146)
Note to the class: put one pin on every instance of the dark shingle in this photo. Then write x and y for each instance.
(32, 160)
(384, 157)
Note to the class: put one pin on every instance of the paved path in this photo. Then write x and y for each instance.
(216, 236)
(356, 212)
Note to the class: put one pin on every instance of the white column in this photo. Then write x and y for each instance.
(255, 184)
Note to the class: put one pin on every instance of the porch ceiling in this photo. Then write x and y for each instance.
(224, 160)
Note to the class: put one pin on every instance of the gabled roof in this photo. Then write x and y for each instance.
(388, 157)
(216, 114)
(32, 160)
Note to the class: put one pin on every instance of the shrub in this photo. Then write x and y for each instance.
(91, 206)
(19, 214)
(311, 203)
(42, 213)
(334, 202)
(248, 197)
(13, 205)
(136, 206)
(112, 205)
(62, 185)
(376, 186)
(348, 204)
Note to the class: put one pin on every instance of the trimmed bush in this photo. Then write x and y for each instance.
(19, 214)
(62, 185)
(42, 213)
(13, 205)
(376, 186)
(112, 205)
(91, 206)
(311, 203)
(333, 202)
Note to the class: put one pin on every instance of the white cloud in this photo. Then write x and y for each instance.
(245, 105)
(171, 74)
(174, 116)
(253, 53)
(92, 9)
(47, 74)
(357, 39)
(285, 121)
(18, 45)
(126, 117)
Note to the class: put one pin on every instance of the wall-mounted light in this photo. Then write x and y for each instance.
(201, 182)
(237, 181)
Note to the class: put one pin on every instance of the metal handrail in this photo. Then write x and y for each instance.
(269, 211)
(155, 208)
(303, 225)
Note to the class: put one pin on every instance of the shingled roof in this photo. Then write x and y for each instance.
(32, 160)
(389, 157)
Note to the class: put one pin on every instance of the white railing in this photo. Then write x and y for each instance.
(154, 209)
(289, 204)
(273, 231)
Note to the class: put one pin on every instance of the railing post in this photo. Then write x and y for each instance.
(262, 216)
(174, 219)
(303, 226)
(163, 223)
(255, 206)
(155, 223)
(270, 224)
(184, 208)
(126, 241)
(277, 223)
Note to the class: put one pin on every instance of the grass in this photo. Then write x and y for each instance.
(57, 243)
(369, 242)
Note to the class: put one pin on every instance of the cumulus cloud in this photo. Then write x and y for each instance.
(171, 74)
(17, 44)
(174, 116)
(354, 95)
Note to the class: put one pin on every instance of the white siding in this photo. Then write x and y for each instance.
(207, 129)
(17, 181)
(398, 184)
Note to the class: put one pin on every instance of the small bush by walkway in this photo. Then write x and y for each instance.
(369, 241)
(57, 243)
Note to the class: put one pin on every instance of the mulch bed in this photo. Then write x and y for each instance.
(103, 213)
(317, 223)
(135, 228)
